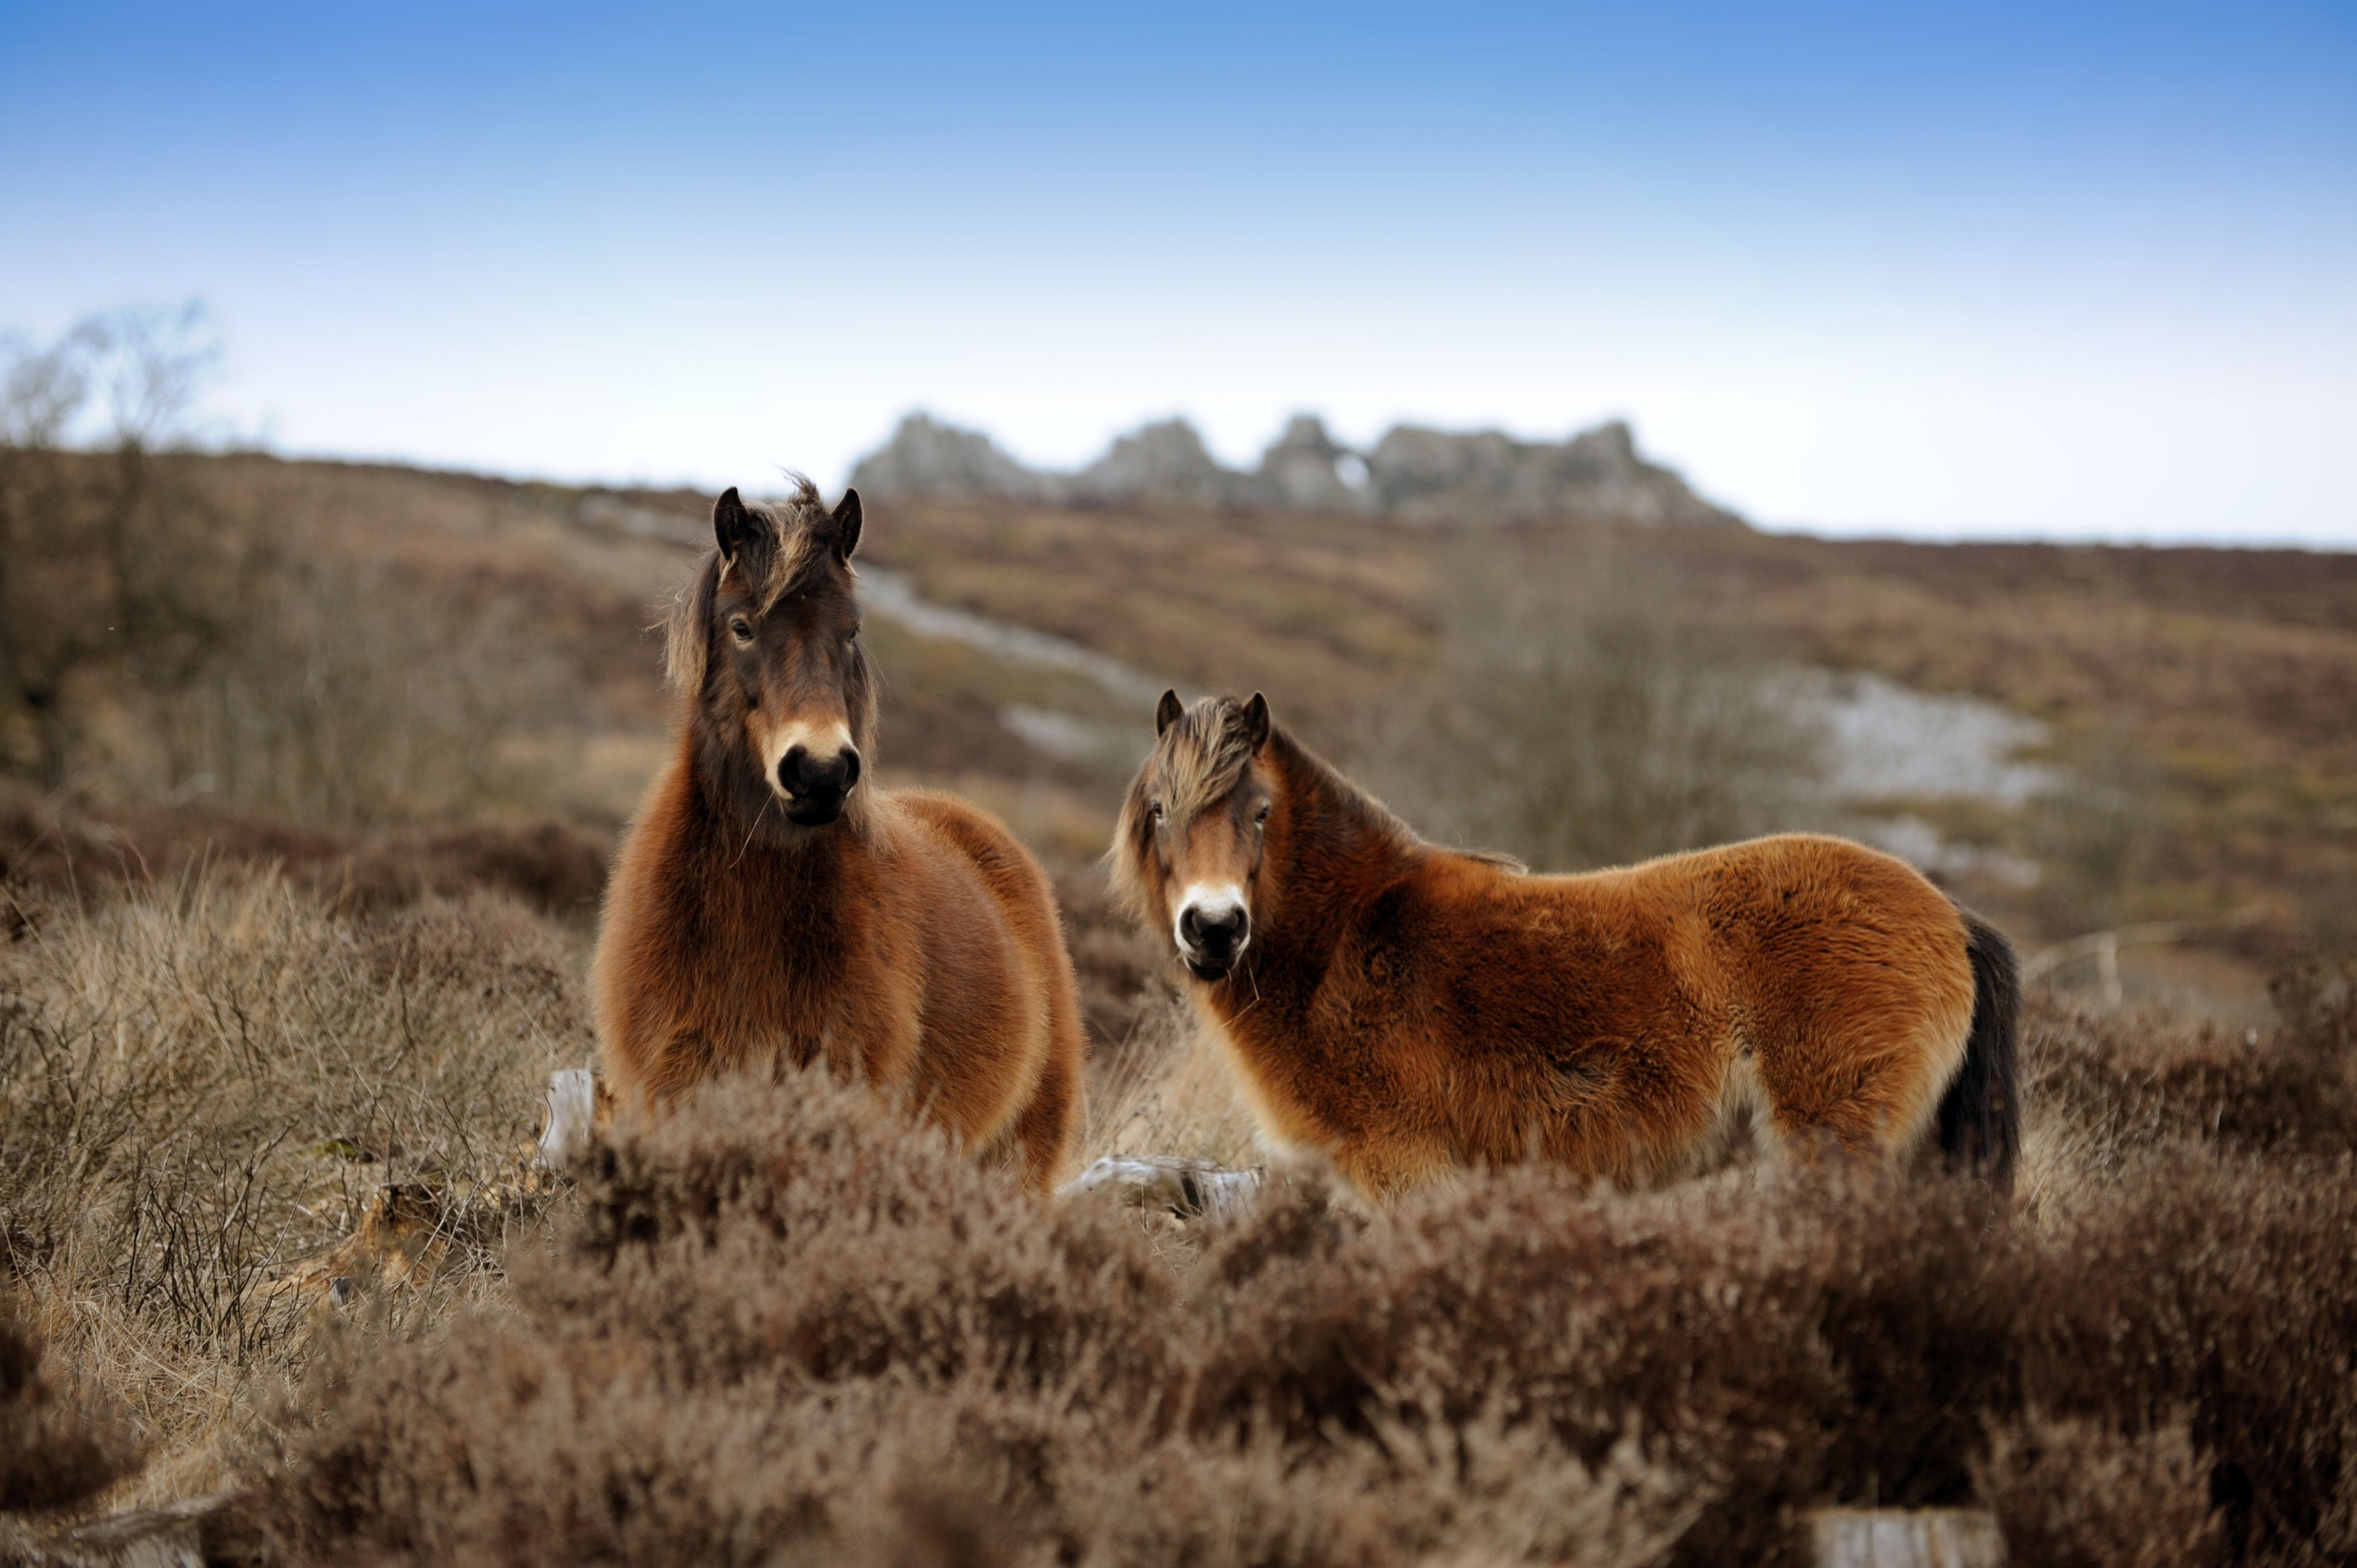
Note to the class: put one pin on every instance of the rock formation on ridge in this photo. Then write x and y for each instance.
(1415, 474)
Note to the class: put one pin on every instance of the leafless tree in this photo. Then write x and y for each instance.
(1583, 712)
(109, 555)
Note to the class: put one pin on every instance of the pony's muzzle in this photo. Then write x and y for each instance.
(1212, 934)
(815, 786)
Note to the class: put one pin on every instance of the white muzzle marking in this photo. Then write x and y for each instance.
(1212, 902)
(830, 739)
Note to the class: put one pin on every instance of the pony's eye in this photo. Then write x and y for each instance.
(1261, 816)
(851, 636)
(742, 629)
(1155, 811)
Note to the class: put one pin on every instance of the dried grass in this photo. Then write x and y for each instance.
(203, 1085)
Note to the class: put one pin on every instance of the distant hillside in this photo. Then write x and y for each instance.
(2201, 695)
(1415, 474)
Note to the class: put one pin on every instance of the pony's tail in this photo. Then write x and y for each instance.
(1980, 1116)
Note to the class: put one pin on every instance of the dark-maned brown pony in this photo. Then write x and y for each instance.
(770, 904)
(1407, 1008)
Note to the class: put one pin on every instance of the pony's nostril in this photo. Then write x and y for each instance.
(1214, 933)
(804, 776)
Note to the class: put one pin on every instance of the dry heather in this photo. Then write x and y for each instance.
(59, 848)
(785, 1327)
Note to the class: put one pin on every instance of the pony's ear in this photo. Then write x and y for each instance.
(1168, 712)
(1257, 722)
(732, 524)
(847, 524)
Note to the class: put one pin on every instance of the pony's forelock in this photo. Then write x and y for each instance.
(1194, 765)
(802, 533)
(1199, 759)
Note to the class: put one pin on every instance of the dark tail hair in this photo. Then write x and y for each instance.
(1980, 1116)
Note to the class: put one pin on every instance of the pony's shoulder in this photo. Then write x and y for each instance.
(664, 825)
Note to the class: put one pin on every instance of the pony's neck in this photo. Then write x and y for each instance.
(1340, 846)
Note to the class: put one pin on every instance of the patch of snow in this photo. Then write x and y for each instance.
(891, 594)
(1890, 743)
(1919, 844)
(1073, 738)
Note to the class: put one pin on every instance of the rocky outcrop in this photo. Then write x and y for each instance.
(1436, 476)
(1308, 470)
(927, 458)
(1165, 461)
(1415, 473)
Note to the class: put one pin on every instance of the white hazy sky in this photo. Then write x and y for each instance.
(2054, 271)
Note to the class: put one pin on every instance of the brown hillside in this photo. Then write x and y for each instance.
(2222, 681)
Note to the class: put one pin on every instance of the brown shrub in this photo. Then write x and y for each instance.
(783, 1329)
(881, 1248)
(782, 1323)
(2197, 1243)
(59, 848)
(2221, 1289)
(2123, 1081)
(2079, 1494)
(54, 1449)
(1799, 1344)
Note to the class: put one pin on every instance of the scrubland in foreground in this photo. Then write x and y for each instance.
(786, 1327)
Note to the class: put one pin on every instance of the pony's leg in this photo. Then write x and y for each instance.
(1048, 1129)
(1383, 1168)
(1866, 1101)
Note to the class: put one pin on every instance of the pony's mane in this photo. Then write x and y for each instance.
(786, 555)
(1197, 760)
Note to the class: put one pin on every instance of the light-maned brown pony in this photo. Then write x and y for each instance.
(771, 905)
(1406, 1008)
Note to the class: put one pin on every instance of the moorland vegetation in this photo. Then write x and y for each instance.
(300, 858)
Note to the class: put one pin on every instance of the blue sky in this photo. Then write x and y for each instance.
(2060, 271)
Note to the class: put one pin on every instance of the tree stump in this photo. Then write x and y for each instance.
(579, 1107)
(1192, 1189)
(1905, 1538)
(187, 1534)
